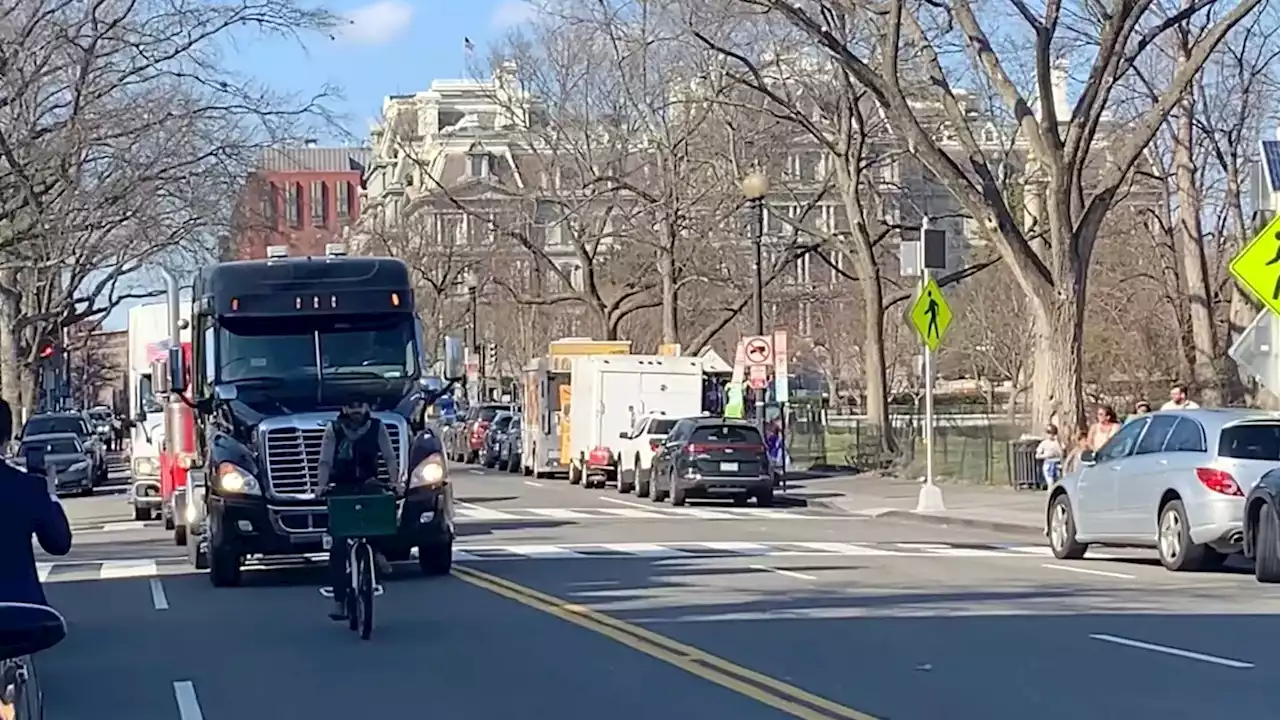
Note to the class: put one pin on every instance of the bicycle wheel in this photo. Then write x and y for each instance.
(364, 590)
(353, 602)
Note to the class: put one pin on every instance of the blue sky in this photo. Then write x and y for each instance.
(389, 47)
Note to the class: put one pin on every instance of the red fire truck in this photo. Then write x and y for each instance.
(176, 449)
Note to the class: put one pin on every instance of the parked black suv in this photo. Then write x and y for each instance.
(708, 457)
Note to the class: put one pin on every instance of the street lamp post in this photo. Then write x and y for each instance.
(473, 295)
(755, 186)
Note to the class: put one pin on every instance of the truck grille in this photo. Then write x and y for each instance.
(293, 458)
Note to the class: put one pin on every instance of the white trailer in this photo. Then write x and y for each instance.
(610, 394)
(149, 339)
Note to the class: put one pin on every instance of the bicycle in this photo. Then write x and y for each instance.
(354, 519)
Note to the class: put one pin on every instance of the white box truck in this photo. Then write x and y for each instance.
(611, 393)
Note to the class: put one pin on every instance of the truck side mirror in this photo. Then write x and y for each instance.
(140, 417)
(177, 370)
(454, 367)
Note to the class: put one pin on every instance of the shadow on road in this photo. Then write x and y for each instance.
(473, 529)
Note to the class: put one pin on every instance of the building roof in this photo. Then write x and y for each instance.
(315, 159)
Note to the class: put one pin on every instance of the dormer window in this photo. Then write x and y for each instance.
(478, 161)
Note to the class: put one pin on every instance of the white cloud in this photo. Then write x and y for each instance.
(512, 13)
(377, 23)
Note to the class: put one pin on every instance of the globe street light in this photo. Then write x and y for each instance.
(754, 187)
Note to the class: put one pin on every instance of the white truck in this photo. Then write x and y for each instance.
(149, 338)
(544, 437)
(610, 394)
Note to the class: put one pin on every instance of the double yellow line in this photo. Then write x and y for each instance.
(775, 693)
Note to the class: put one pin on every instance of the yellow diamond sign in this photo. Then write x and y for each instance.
(1257, 266)
(930, 315)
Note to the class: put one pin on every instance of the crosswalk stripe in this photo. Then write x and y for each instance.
(631, 513)
(127, 569)
(43, 570)
(697, 513)
(560, 513)
(543, 551)
(479, 513)
(843, 548)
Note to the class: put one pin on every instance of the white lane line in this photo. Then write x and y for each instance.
(629, 513)
(125, 525)
(1087, 571)
(784, 573)
(188, 706)
(474, 512)
(625, 502)
(473, 471)
(531, 483)
(1188, 654)
(559, 513)
(43, 569)
(127, 569)
(158, 599)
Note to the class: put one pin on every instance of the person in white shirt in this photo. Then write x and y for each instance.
(1178, 399)
(1049, 453)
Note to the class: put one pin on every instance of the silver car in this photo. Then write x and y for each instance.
(64, 452)
(1173, 480)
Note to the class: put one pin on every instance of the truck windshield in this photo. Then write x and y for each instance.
(287, 348)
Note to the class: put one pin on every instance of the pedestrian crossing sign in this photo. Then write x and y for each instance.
(1257, 266)
(931, 315)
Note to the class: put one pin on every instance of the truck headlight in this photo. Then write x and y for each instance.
(234, 479)
(145, 467)
(429, 473)
(77, 467)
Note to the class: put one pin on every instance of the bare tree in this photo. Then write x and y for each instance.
(1078, 170)
(122, 138)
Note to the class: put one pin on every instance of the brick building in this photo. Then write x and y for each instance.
(302, 198)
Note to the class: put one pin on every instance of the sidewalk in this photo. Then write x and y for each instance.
(988, 507)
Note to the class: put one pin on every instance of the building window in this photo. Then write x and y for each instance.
(478, 165)
(317, 204)
(269, 206)
(293, 205)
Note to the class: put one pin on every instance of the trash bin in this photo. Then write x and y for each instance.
(1024, 468)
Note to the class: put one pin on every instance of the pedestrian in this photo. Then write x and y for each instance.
(1140, 408)
(1106, 426)
(1080, 447)
(28, 506)
(1179, 399)
(1049, 453)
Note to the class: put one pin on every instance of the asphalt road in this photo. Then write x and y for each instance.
(577, 603)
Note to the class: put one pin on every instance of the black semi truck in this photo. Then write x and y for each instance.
(278, 346)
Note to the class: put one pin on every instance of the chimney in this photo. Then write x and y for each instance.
(1058, 80)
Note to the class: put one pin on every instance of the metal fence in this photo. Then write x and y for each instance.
(970, 447)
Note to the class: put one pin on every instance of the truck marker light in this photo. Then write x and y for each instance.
(333, 301)
(395, 299)
(297, 303)
(315, 303)
(235, 303)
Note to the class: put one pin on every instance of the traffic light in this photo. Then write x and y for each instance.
(491, 357)
(48, 350)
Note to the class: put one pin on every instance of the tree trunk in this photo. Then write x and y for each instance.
(1057, 387)
(670, 306)
(10, 381)
(874, 367)
(1195, 270)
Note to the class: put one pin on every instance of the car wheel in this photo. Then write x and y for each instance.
(168, 521)
(678, 494)
(180, 535)
(643, 480)
(1062, 530)
(656, 493)
(224, 565)
(1266, 551)
(488, 461)
(436, 559)
(1177, 551)
(626, 481)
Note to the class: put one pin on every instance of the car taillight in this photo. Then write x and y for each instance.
(1218, 481)
(600, 456)
(654, 444)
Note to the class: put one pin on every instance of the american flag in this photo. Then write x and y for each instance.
(468, 45)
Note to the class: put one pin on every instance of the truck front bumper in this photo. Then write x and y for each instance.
(254, 526)
(145, 493)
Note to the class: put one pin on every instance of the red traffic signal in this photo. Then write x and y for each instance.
(47, 350)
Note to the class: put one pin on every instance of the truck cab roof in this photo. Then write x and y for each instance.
(314, 285)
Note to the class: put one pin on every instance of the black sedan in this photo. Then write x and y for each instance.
(494, 436)
(1262, 527)
(708, 457)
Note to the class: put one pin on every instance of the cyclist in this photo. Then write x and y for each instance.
(349, 465)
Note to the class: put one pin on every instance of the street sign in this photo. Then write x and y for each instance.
(759, 376)
(759, 350)
(781, 367)
(930, 315)
(1257, 266)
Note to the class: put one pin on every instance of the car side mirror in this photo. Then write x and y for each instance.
(624, 435)
(177, 370)
(1088, 457)
(454, 364)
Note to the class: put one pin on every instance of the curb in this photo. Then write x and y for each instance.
(945, 520)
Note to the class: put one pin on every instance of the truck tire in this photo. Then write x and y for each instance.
(436, 559)
(574, 476)
(644, 479)
(626, 481)
(224, 564)
(180, 535)
(142, 514)
(168, 521)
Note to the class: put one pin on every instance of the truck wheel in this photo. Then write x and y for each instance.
(142, 514)
(180, 535)
(168, 522)
(224, 566)
(436, 559)
(644, 478)
(574, 477)
(197, 555)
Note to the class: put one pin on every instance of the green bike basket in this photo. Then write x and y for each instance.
(356, 516)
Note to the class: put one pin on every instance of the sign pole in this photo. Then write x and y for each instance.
(930, 499)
